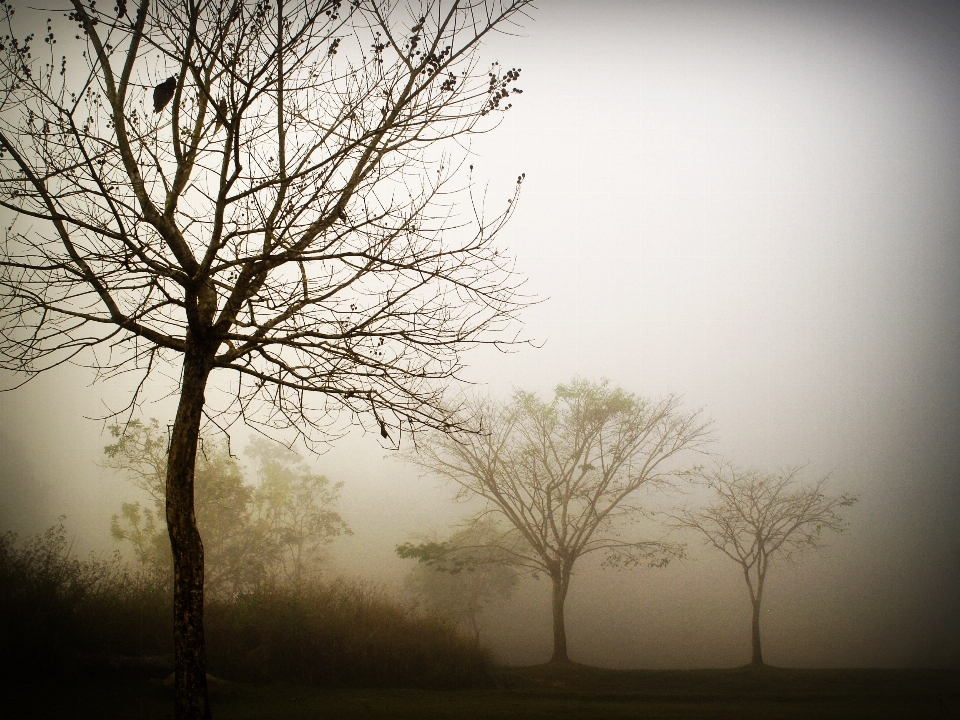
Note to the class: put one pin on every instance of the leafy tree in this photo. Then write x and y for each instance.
(140, 452)
(284, 221)
(139, 526)
(756, 516)
(270, 532)
(456, 578)
(297, 508)
(566, 474)
(240, 549)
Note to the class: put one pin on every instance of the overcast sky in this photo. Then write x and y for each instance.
(755, 205)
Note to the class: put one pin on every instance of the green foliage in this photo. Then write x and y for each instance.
(271, 532)
(428, 553)
(298, 508)
(456, 578)
(139, 527)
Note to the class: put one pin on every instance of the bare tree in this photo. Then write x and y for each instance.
(563, 474)
(256, 191)
(757, 515)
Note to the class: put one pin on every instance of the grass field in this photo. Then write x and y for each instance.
(541, 691)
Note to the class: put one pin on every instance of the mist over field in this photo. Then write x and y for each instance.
(752, 205)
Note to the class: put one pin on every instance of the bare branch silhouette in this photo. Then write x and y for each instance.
(757, 515)
(256, 192)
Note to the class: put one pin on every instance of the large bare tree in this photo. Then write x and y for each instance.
(567, 476)
(256, 191)
(757, 515)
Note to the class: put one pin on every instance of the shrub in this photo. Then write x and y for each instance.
(55, 607)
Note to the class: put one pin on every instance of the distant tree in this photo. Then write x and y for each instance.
(241, 551)
(286, 219)
(255, 534)
(457, 577)
(297, 507)
(139, 526)
(565, 474)
(140, 453)
(757, 515)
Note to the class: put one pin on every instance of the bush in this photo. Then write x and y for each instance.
(55, 607)
(60, 614)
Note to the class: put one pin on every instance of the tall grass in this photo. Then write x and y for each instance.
(61, 614)
(55, 607)
(340, 633)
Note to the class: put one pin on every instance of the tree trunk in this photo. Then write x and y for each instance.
(560, 586)
(190, 672)
(757, 654)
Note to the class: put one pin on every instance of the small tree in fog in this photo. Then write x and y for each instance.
(457, 577)
(239, 550)
(566, 475)
(756, 516)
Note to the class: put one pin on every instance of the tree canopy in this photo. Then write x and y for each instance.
(266, 532)
(293, 207)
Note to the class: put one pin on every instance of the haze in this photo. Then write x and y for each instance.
(752, 205)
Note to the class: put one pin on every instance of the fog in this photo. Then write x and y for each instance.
(753, 205)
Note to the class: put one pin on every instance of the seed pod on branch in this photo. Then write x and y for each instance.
(163, 93)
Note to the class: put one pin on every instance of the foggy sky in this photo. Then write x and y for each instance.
(753, 205)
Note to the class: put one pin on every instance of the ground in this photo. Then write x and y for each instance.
(541, 691)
